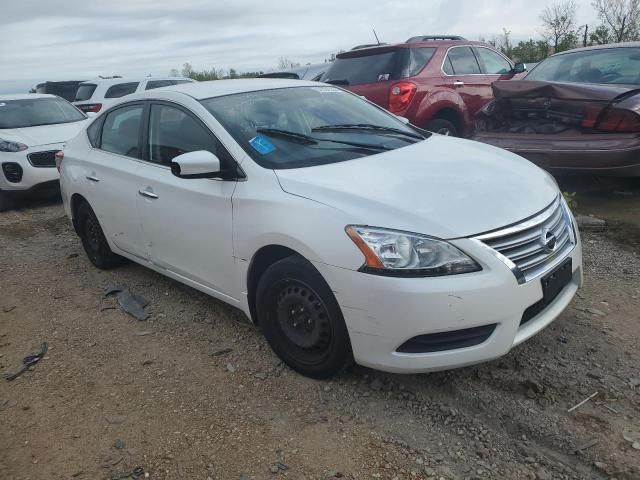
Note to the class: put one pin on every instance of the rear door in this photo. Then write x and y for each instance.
(111, 176)
(186, 223)
(462, 73)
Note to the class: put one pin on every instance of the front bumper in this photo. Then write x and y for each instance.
(382, 313)
(586, 154)
(32, 176)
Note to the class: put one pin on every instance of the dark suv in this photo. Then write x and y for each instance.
(438, 83)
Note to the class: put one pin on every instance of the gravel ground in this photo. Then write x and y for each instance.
(194, 392)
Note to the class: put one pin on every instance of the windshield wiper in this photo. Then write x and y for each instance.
(366, 127)
(337, 82)
(308, 140)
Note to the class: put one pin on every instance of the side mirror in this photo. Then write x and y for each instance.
(198, 164)
(519, 68)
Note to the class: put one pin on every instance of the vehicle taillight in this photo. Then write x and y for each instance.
(90, 107)
(59, 156)
(400, 96)
(619, 121)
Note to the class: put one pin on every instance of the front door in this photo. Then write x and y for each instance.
(186, 223)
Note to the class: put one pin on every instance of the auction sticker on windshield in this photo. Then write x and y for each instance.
(262, 145)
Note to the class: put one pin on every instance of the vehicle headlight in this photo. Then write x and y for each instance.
(396, 253)
(8, 146)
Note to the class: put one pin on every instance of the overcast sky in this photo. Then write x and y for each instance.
(80, 39)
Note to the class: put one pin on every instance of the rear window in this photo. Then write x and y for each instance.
(151, 84)
(121, 89)
(378, 66)
(85, 91)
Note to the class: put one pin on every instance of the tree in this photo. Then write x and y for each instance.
(558, 24)
(174, 72)
(285, 63)
(620, 17)
(530, 52)
(187, 70)
(600, 36)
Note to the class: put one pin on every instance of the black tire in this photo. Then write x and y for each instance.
(301, 319)
(443, 127)
(93, 240)
(6, 202)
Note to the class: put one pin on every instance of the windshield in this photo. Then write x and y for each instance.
(37, 111)
(614, 66)
(308, 126)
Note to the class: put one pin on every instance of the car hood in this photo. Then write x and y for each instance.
(443, 186)
(44, 134)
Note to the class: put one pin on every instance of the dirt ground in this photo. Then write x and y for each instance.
(194, 392)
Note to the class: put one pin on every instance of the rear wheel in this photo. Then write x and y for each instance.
(301, 318)
(6, 202)
(93, 240)
(443, 127)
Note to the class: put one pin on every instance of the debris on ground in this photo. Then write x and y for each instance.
(8, 309)
(29, 361)
(119, 444)
(220, 351)
(136, 473)
(593, 395)
(633, 437)
(132, 304)
(587, 221)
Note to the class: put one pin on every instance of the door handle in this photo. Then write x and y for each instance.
(93, 179)
(148, 194)
(458, 83)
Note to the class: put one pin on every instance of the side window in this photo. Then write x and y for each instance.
(151, 84)
(447, 67)
(463, 61)
(121, 89)
(121, 130)
(494, 63)
(93, 132)
(173, 132)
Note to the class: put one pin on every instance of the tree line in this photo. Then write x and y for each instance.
(619, 21)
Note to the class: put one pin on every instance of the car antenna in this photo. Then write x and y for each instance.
(376, 35)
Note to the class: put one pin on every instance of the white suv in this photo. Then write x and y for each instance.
(344, 233)
(33, 127)
(96, 95)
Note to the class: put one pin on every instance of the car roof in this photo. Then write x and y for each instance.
(414, 44)
(219, 88)
(25, 96)
(113, 81)
(601, 47)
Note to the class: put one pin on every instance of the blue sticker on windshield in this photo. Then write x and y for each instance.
(262, 145)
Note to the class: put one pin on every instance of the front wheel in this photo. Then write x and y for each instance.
(93, 240)
(443, 127)
(6, 202)
(301, 319)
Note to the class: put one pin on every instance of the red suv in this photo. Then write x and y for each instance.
(438, 83)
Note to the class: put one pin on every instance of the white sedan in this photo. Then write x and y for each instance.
(342, 232)
(32, 129)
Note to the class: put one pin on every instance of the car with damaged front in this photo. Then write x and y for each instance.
(577, 112)
(343, 233)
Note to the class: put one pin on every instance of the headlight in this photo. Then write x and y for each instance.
(395, 253)
(7, 146)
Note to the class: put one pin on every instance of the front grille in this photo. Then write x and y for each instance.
(12, 172)
(527, 245)
(43, 159)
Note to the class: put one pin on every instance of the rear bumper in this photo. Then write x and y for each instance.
(603, 154)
